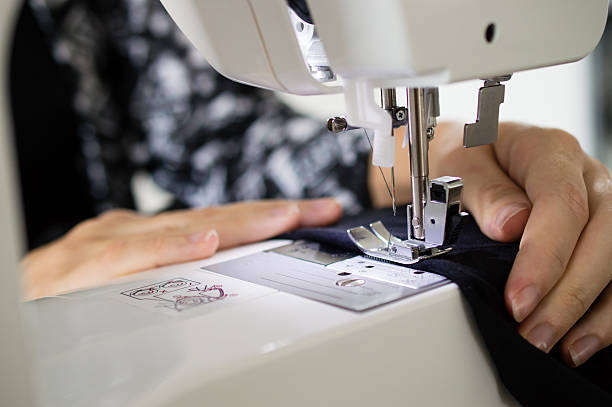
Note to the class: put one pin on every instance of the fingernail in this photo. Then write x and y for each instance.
(581, 350)
(507, 213)
(542, 336)
(202, 236)
(524, 302)
(284, 210)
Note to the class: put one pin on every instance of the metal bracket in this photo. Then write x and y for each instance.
(444, 201)
(432, 107)
(388, 101)
(484, 130)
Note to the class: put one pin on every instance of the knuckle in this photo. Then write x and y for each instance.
(598, 178)
(528, 144)
(575, 200)
(600, 168)
(82, 228)
(554, 257)
(116, 215)
(93, 226)
(576, 299)
(112, 251)
(567, 142)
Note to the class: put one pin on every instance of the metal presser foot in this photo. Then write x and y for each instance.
(382, 245)
(443, 202)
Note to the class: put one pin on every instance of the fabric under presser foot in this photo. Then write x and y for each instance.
(480, 267)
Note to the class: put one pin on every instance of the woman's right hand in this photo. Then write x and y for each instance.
(121, 242)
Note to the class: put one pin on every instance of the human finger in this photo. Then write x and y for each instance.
(269, 217)
(549, 165)
(588, 272)
(591, 334)
(246, 222)
(319, 212)
(99, 261)
(120, 256)
(253, 222)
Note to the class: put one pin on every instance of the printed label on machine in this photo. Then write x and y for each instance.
(186, 291)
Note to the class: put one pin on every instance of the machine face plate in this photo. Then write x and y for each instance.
(306, 269)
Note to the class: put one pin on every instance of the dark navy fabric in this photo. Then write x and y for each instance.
(480, 267)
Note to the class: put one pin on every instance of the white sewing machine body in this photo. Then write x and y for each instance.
(385, 43)
(273, 349)
(406, 43)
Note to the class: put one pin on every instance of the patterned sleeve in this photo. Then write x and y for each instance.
(204, 138)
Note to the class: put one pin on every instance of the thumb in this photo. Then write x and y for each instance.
(499, 206)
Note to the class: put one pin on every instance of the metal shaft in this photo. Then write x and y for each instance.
(388, 98)
(419, 163)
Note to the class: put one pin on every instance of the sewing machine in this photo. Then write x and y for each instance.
(357, 47)
(292, 323)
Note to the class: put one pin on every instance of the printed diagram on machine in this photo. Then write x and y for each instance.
(179, 294)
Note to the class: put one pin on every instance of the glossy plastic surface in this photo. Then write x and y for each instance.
(275, 349)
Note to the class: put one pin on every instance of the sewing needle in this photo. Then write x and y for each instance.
(393, 191)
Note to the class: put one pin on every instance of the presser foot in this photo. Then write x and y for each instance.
(378, 243)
